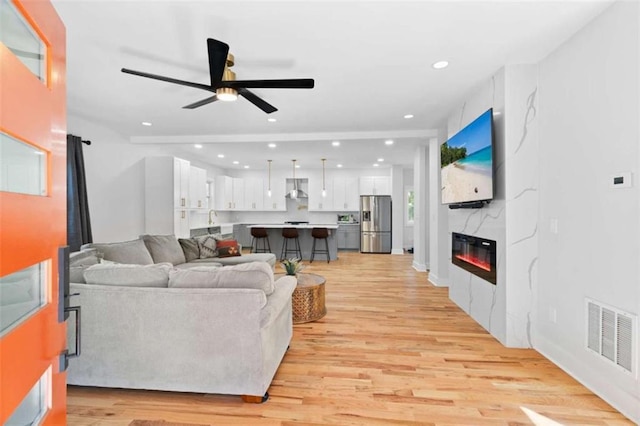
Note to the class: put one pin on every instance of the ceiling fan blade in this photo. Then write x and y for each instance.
(202, 102)
(169, 80)
(218, 52)
(296, 83)
(257, 101)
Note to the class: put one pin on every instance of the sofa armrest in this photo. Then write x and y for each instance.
(277, 300)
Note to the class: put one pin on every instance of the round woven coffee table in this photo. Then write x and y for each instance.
(308, 298)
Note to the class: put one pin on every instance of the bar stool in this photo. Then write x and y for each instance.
(320, 234)
(287, 235)
(260, 234)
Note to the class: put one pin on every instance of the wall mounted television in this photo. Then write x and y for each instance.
(466, 165)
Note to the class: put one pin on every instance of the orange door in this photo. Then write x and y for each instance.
(32, 212)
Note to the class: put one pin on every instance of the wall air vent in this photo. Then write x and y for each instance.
(612, 333)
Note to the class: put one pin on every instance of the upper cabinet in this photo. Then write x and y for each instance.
(197, 188)
(316, 201)
(345, 194)
(375, 185)
(229, 193)
(254, 194)
(277, 200)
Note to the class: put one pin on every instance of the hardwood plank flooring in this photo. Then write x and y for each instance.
(392, 350)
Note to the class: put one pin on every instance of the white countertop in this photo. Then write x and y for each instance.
(301, 226)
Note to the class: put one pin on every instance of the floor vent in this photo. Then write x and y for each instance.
(611, 333)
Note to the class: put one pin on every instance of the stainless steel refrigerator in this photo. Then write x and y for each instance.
(375, 224)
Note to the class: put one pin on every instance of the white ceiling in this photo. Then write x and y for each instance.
(371, 61)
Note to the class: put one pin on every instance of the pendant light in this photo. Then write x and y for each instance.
(294, 191)
(324, 188)
(269, 180)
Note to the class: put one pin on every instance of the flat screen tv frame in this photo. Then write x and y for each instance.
(478, 167)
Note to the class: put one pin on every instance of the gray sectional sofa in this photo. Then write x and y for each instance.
(189, 327)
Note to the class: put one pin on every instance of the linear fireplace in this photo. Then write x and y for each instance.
(475, 255)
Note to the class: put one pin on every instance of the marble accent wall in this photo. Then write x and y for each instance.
(521, 202)
(504, 309)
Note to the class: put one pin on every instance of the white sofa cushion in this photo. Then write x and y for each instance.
(123, 252)
(258, 275)
(164, 248)
(127, 275)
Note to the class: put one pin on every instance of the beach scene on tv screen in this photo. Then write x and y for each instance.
(467, 163)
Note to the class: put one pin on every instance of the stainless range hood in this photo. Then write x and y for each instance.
(297, 190)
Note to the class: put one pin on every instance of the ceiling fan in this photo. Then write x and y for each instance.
(223, 81)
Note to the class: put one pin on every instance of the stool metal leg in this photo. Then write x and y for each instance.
(326, 244)
(313, 251)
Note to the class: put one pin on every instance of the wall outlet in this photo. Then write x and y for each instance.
(553, 315)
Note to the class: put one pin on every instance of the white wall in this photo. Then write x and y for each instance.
(589, 130)
(398, 210)
(115, 180)
(440, 241)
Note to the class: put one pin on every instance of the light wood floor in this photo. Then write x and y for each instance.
(392, 350)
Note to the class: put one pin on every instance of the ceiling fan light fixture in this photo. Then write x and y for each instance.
(227, 94)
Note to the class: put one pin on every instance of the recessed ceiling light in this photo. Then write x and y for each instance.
(246, 167)
(146, 123)
(338, 165)
(198, 146)
(388, 142)
(380, 160)
(38, 152)
(408, 116)
(375, 164)
(220, 155)
(272, 145)
(335, 143)
(440, 64)
(236, 162)
(271, 120)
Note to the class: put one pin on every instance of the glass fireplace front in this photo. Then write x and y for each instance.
(474, 254)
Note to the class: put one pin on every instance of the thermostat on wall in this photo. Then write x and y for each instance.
(621, 180)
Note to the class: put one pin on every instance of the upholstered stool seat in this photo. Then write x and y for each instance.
(320, 234)
(290, 236)
(260, 234)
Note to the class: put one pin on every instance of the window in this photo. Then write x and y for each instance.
(409, 206)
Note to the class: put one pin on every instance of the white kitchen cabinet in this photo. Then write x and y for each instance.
(229, 193)
(345, 194)
(167, 196)
(277, 201)
(316, 201)
(375, 185)
(254, 194)
(197, 188)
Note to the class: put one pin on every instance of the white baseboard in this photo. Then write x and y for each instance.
(397, 251)
(420, 267)
(437, 281)
(592, 378)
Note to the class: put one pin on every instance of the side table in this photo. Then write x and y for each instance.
(308, 300)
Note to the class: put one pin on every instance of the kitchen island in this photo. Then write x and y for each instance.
(274, 230)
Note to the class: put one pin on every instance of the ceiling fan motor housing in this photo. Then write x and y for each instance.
(227, 93)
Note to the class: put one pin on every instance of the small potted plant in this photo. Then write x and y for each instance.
(292, 266)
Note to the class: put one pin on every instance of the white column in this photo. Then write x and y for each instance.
(397, 197)
(439, 241)
(421, 222)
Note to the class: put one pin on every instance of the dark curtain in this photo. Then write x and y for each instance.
(78, 222)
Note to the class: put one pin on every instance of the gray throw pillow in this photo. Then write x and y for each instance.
(131, 252)
(164, 248)
(207, 246)
(86, 257)
(129, 275)
(190, 248)
(258, 275)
